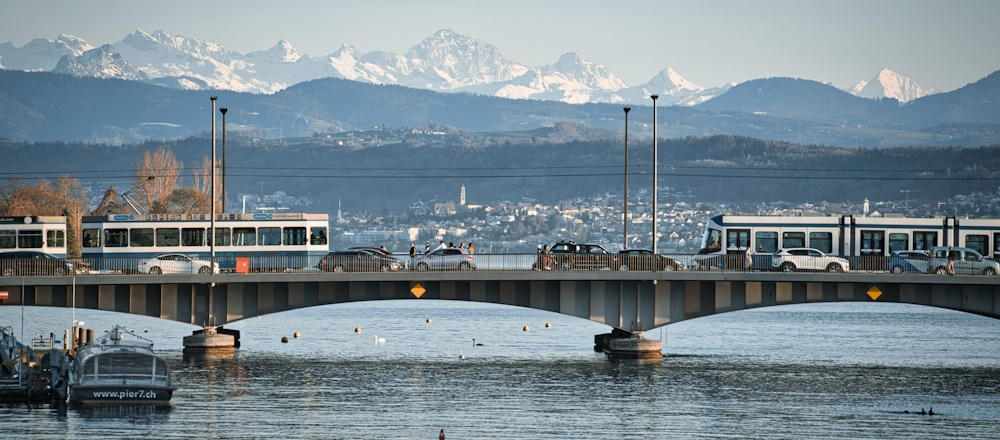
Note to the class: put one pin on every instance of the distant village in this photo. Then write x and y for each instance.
(522, 226)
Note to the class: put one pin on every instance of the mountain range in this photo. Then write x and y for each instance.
(444, 62)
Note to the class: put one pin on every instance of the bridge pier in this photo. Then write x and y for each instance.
(212, 340)
(628, 345)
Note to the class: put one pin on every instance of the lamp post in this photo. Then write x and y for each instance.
(212, 270)
(655, 166)
(223, 110)
(625, 197)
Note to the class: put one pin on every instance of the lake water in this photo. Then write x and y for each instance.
(840, 370)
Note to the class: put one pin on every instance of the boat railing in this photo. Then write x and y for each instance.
(125, 378)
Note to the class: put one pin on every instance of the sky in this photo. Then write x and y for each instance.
(942, 45)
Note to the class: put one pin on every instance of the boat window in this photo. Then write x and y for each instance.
(244, 237)
(8, 239)
(223, 237)
(91, 238)
(193, 237)
(29, 239)
(924, 240)
(269, 236)
(169, 237)
(823, 241)
(55, 238)
(793, 239)
(294, 236)
(767, 242)
(116, 237)
(977, 243)
(140, 237)
(317, 236)
(899, 242)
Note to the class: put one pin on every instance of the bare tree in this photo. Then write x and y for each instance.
(203, 182)
(189, 200)
(64, 197)
(165, 168)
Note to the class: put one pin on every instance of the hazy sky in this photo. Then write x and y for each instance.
(939, 44)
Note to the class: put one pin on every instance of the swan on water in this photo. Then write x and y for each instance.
(379, 340)
(474, 344)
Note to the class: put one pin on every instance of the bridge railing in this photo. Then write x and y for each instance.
(478, 262)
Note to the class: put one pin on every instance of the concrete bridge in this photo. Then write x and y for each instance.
(630, 301)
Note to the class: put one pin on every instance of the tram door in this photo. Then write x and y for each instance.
(872, 250)
(737, 242)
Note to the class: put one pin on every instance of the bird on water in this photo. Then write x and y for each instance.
(474, 344)
(379, 340)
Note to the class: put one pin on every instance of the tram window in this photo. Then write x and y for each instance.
(767, 242)
(737, 239)
(712, 240)
(294, 236)
(899, 242)
(8, 239)
(822, 241)
(269, 236)
(30, 239)
(977, 243)
(91, 238)
(223, 237)
(996, 245)
(193, 237)
(923, 241)
(140, 237)
(116, 237)
(55, 239)
(168, 237)
(793, 239)
(244, 237)
(872, 242)
(317, 236)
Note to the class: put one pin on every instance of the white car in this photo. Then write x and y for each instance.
(793, 259)
(175, 263)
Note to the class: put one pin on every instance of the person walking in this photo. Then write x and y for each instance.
(952, 256)
(441, 246)
(748, 264)
(413, 251)
(471, 250)
(427, 247)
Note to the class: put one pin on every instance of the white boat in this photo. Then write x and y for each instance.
(120, 368)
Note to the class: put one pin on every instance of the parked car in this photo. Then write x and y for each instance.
(359, 260)
(445, 259)
(33, 263)
(568, 255)
(967, 262)
(793, 259)
(370, 249)
(643, 259)
(909, 261)
(176, 264)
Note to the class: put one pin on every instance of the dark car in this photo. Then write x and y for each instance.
(32, 263)
(568, 255)
(643, 259)
(357, 260)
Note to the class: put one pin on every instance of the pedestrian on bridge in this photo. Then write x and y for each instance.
(952, 256)
(748, 264)
(413, 251)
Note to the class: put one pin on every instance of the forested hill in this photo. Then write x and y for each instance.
(717, 168)
(41, 106)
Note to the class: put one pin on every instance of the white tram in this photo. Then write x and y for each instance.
(267, 241)
(34, 233)
(864, 241)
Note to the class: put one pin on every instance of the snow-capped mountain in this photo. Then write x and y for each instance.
(445, 61)
(41, 53)
(889, 84)
(103, 62)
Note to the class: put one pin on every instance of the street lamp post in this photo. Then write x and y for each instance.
(223, 110)
(625, 197)
(655, 166)
(212, 270)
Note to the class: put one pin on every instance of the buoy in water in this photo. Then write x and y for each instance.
(284, 339)
(548, 325)
(428, 320)
(297, 335)
(357, 329)
(525, 328)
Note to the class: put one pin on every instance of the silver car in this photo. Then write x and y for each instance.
(967, 262)
(175, 263)
(445, 259)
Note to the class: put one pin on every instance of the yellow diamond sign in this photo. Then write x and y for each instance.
(417, 290)
(874, 293)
